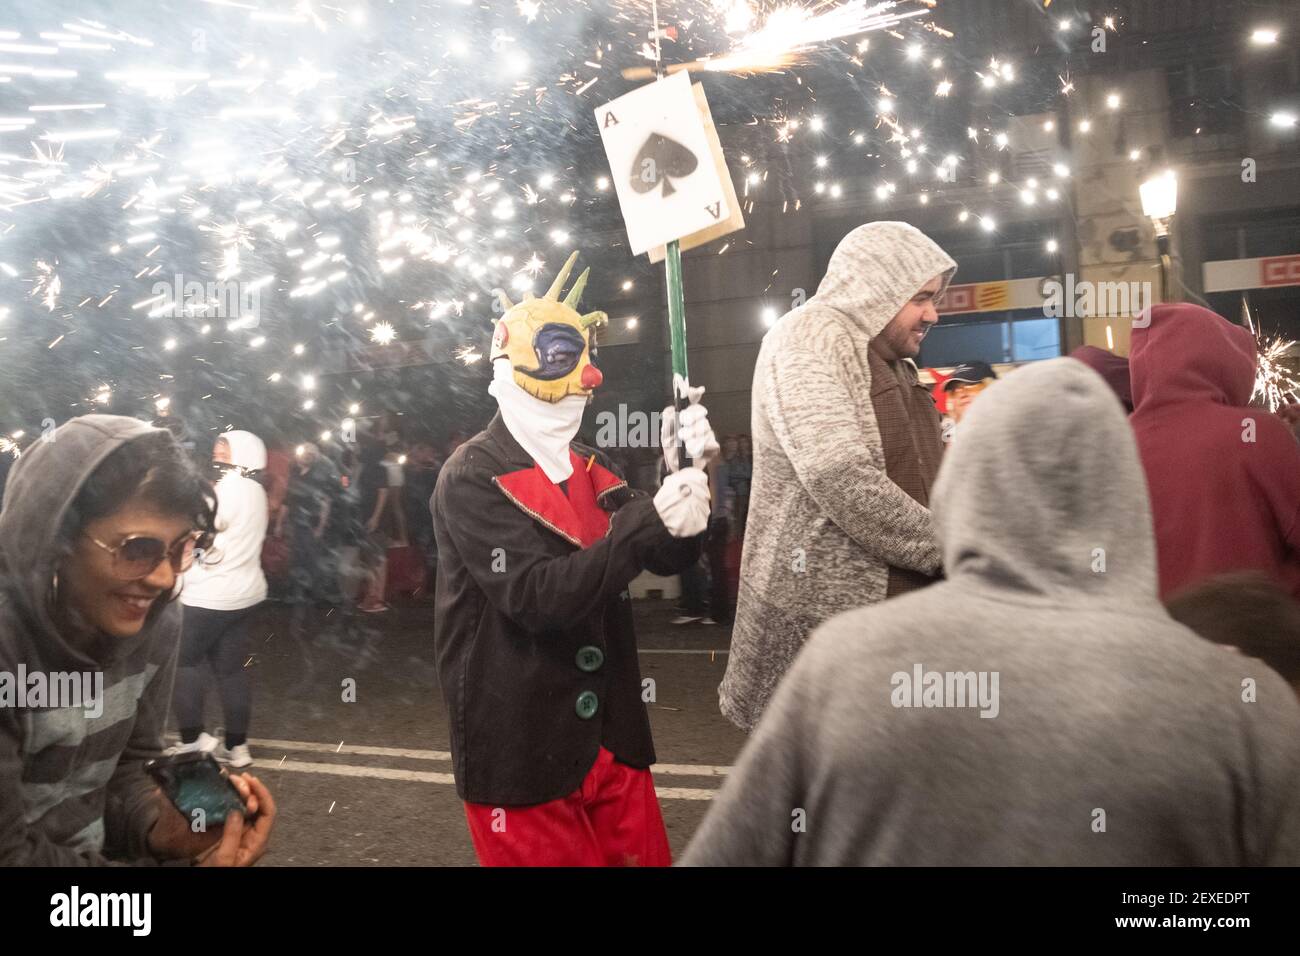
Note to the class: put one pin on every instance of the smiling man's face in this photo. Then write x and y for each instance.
(902, 337)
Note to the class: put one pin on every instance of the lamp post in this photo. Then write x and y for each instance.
(1159, 201)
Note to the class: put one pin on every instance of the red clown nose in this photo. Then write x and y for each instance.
(591, 377)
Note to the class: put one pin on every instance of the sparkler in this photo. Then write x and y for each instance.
(333, 166)
(1275, 383)
(790, 33)
(382, 333)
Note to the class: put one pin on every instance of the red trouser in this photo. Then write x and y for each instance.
(611, 820)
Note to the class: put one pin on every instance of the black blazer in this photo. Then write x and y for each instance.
(520, 605)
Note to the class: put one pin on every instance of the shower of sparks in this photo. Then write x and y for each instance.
(47, 285)
(791, 31)
(347, 160)
(534, 265)
(1275, 382)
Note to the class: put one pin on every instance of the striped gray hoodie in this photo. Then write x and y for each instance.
(72, 788)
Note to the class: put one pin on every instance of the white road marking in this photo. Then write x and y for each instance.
(689, 770)
(671, 769)
(684, 793)
(425, 776)
(380, 773)
(358, 749)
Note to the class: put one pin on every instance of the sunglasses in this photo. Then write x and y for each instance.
(137, 555)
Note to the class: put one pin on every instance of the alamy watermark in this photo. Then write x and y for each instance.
(922, 688)
(129, 910)
(627, 429)
(1085, 299)
(53, 690)
(238, 302)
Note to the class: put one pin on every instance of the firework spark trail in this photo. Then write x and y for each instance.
(355, 159)
(198, 179)
(1275, 384)
(790, 31)
(289, 104)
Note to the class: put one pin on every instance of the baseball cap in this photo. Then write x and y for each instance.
(969, 374)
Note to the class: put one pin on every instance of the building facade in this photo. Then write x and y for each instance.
(1178, 84)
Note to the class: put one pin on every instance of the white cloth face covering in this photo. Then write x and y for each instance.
(543, 429)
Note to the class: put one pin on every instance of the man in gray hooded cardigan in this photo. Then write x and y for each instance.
(846, 444)
(1112, 736)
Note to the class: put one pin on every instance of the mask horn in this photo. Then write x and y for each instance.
(506, 304)
(593, 318)
(571, 300)
(553, 293)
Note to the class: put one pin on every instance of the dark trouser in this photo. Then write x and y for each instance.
(716, 551)
(693, 589)
(222, 639)
(313, 567)
(693, 578)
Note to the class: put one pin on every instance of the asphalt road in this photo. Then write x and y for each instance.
(369, 782)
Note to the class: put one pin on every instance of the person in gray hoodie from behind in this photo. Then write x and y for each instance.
(100, 517)
(1096, 730)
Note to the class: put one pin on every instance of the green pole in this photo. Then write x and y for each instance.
(676, 307)
(677, 325)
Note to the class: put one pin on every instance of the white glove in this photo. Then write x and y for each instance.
(696, 433)
(683, 502)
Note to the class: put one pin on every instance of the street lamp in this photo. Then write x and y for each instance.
(1159, 201)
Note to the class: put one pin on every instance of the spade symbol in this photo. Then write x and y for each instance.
(661, 160)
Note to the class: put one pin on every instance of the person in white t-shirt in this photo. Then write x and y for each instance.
(221, 594)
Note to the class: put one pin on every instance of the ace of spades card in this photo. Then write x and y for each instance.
(662, 164)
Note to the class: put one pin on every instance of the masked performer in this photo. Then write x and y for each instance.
(538, 538)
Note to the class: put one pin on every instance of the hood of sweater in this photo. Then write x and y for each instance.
(247, 451)
(1044, 493)
(1190, 354)
(876, 268)
(42, 486)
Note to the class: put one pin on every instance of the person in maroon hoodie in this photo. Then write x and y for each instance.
(1224, 477)
(1113, 368)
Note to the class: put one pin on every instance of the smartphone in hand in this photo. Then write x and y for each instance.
(195, 781)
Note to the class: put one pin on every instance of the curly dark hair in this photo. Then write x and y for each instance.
(153, 467)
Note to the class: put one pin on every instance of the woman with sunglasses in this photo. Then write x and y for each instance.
(100, 519)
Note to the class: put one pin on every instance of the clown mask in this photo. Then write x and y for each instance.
(547, 343)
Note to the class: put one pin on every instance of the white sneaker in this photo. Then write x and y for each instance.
(685, 619)
(237, 756)
(206, 743)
